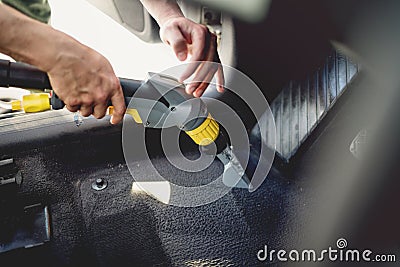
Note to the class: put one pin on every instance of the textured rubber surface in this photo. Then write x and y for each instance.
(302, 104)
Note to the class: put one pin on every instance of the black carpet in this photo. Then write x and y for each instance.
(114, 227)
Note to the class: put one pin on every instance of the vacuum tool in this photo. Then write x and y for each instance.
(161, 102)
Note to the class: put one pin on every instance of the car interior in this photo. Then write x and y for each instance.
(329, 71)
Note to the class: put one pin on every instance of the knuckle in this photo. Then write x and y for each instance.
(114, 84)
(97, 57)
(174, 23)
(118, 111)
(102, 97)
(87, 101)
(202, 29)
(114, 81)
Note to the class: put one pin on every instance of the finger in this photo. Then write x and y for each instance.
(203, 86)
(191, 87)
(220, 79)
(220, 71)
(211, 67)
(196, 81)
(203, 76)
(177, 41)
(118, 103)
(189, 70)
(86, 111)
(72, 108)
(99, 111)
(200, 89)
(200, 45)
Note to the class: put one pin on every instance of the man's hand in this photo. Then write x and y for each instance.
(189, 38)
(80, 76)
(85, 81)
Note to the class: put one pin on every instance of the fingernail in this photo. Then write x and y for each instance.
(181, 56)
(189, 89)
(197, 94)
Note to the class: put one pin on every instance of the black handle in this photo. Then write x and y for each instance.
(22, 75)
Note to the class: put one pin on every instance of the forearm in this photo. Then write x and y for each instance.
(162, 10)
(80, 76)
(28, 40)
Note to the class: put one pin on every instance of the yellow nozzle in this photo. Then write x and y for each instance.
(16, 105)
(206, 133)
(35, 102)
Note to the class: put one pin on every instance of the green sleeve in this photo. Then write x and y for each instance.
(36, 9)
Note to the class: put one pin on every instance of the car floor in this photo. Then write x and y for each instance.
(115, 227)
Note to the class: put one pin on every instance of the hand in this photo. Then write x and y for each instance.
(189, 38)
(85, 81)
(80, 76)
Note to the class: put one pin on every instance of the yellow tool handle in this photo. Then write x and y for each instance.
(32, 103)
